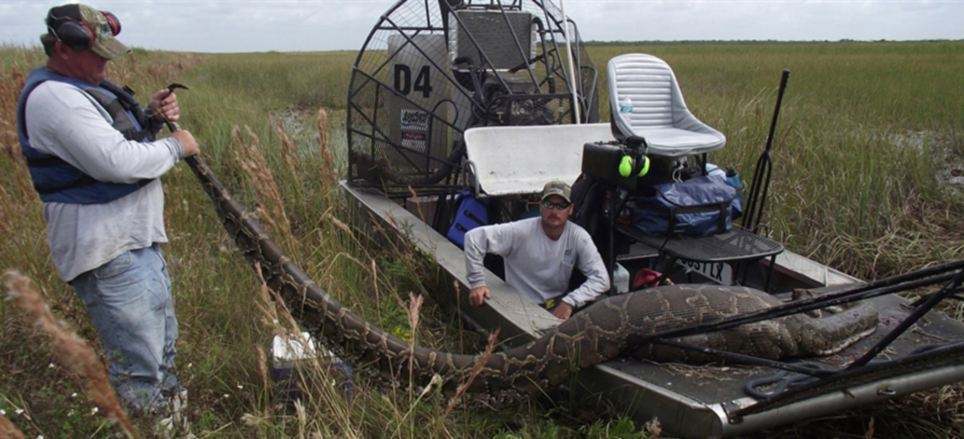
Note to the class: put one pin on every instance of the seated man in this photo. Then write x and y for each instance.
(539, 254)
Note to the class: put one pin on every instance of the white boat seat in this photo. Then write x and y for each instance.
(520, 160)
(646, 102)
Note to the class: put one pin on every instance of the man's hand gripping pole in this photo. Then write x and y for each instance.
(170, 88)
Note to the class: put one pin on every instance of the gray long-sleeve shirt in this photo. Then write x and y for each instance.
(535, 265)
(64, 121)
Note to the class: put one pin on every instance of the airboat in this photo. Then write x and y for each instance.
(487, 100)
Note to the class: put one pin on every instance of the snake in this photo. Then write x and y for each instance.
(609, 328)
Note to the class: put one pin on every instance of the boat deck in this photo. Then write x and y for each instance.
(690, 401)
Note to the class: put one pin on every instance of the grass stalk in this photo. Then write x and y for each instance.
(8, 430)
(70, 350)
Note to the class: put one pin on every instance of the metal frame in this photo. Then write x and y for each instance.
(363, 123)
(951, 274)
(760, 187)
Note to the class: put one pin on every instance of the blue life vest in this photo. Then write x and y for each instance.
(58, 181)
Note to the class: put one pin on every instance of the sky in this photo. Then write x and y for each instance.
(303, 25)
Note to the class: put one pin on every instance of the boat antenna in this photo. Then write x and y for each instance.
(572, 68)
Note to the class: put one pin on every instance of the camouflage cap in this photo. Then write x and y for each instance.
(102, 25)
(557, 187)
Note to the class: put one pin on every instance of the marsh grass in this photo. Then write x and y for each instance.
(8, 430)
(866, 129)
(71, 352)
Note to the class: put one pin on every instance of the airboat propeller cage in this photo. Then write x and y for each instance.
(430, 70)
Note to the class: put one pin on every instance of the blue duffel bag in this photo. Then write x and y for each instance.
(701, 206)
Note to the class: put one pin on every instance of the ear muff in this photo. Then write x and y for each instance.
(73, 34)
(627, 164)
(115, 25)
(644, 166)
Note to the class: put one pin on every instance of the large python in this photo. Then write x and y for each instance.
(606, 330)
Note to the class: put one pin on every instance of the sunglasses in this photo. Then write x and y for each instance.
(548, 204)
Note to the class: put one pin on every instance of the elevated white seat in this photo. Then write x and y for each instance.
(646, 102)
(518, 160)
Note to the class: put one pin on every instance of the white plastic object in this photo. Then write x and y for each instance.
(712, 169)
(287, 350)
(659, 113)
(516, 160)
(621, 279)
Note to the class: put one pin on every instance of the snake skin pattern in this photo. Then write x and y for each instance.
(605, 330)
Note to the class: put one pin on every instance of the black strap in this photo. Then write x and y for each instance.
(81, 181)
(118, 108)
(125, 96)
(784, 380)
(468, 214)
(44, 161)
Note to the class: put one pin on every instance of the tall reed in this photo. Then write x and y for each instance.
(70, 350)
(271, 206)
(8, 430)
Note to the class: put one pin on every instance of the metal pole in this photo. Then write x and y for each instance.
(761, 175)
(572, 69)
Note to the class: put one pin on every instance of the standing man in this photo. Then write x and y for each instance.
(540, 254)
(93, 159)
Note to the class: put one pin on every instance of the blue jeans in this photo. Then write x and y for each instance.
(129, 302)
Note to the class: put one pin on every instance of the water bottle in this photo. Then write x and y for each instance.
(625, 105)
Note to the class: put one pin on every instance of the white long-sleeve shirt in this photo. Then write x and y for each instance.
(535, 265)
(64, 121)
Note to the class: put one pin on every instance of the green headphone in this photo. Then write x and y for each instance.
(627, 163)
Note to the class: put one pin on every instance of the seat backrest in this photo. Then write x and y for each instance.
(641, 91)
(646, 102)
(521, 159)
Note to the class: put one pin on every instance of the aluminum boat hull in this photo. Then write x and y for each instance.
(689, 401)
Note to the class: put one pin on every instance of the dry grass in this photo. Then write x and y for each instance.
(329, 171)
(70, 350)
(473, 373)
(825, 205)
(270, 204)
(8, 430)
(289, 151)
(10, 84)
(936, 413)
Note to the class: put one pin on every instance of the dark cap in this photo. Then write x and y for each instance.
(557, 187)
(102, 25)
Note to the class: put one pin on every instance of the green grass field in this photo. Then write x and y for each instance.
(870, 136)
